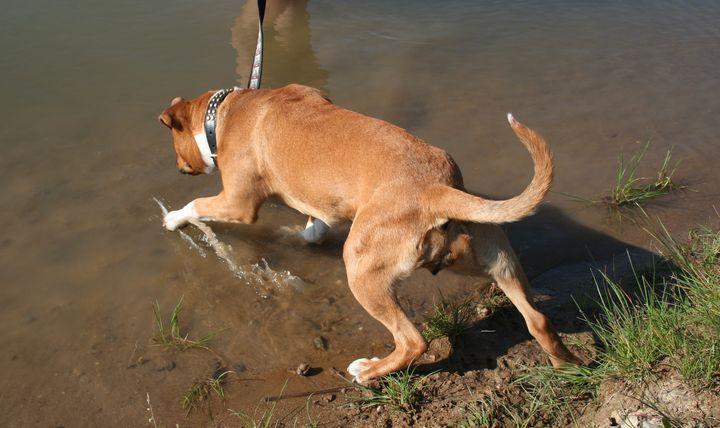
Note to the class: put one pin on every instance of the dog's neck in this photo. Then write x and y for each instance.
(206, 139)
(204, 148)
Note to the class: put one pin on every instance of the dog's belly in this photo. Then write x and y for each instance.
(327, 217)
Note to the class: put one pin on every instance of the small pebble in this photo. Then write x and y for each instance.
(302, 369)
(483, 312)
(165, 366)
(320, 343)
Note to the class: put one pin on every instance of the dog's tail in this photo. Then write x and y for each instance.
(455, 204)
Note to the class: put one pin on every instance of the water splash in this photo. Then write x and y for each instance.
(265, 273)
(258, 275)
(183, 235)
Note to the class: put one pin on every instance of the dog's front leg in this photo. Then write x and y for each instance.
(181, 217)
(214, 208)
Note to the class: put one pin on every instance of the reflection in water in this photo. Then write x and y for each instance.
(289, 56)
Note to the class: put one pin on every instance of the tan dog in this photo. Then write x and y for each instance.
(405, 198)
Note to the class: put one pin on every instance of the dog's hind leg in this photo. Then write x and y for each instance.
(495, 252)
(375, 258)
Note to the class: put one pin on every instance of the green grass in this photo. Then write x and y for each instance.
(172, 338)
(268, 418)
(554, 392)
(542, 394)
(673, 321)
(669, 321)
(203, 390)
(401, 391)
(449, 319)
(311, 422)
(633, 330)
(482, 413)
(265, 420)
(630, 189)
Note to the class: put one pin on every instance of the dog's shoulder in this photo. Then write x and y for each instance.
(297, 92)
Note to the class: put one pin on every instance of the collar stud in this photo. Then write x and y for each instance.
(211, 120)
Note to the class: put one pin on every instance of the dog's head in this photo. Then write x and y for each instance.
(184, 118)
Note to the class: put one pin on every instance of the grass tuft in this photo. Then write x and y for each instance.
(268, 417)
(630, 189)
(633, 190)
(483, 413)
(173, 338)
(400, 391)
(448, 319)
(203, 390)
(552, 391)
(537, 396)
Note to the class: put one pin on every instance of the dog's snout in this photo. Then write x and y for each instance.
(183, 166)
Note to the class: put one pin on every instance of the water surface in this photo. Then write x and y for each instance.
(83, 254)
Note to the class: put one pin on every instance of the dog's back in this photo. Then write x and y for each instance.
(345, 157)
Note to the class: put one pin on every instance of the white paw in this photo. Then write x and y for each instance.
(315, 231)
(177, 218)
(357, 366)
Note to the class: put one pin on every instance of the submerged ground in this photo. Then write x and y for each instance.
(83, 256)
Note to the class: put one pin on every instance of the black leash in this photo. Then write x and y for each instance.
(219, 96)
(256, 72)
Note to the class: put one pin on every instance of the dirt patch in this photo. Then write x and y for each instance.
(666, 400)
(472, 380)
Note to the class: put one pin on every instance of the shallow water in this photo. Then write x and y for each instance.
(83, 254)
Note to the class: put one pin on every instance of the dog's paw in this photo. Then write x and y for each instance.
(315, 231)
(179, 218)
(357, 366)
(174, 219)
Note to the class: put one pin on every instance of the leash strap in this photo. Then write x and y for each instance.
(219, 96)
(256, 72)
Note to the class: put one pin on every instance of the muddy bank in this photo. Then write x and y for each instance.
(471, 386)
(477, 369)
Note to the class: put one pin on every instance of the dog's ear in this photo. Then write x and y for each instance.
(170, 117)
(166, 119)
